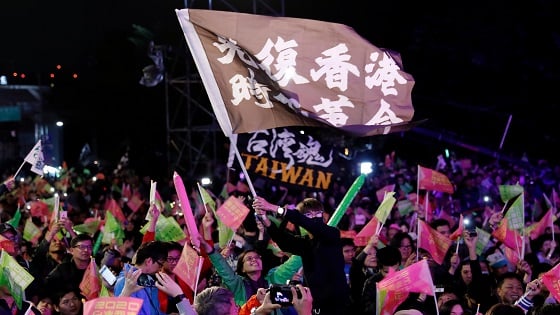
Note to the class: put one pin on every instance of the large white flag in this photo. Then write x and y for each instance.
(263, 72)
(36, 159)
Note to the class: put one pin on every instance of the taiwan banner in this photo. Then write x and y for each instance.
(290, 158)
(263, 72)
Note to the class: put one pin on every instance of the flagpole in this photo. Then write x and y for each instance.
(242, 164)
(417, 183)
(523, 229)
(553, 212)
(435, 298)
(418, 238)
(19, 169)
(505, 132)
(426, 206)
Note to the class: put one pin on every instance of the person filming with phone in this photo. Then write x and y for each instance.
(150, 258)
(320, 251)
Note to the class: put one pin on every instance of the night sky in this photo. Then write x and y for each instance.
(475, 63)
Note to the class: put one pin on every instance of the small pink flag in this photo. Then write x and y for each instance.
(551, 279)
(459, 231)
(135, 202)
(380, 194)
(433, 180)
(189, 266)
(538, 228)
(112, 206)
(414, 278)
(7, 245)
(232, 212)
(367, 232)
(348, 234)
(434, 242)
(391, 300)
(509, 237)
(90, 284)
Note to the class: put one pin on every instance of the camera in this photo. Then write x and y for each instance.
(472, 233)
(146, 280)
(282, 294)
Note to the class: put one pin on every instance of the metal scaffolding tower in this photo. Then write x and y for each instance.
(195, 143)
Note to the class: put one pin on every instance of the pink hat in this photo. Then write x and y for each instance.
(395, 226)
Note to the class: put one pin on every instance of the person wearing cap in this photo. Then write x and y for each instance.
(320, 251)
(498, 263)
(11, 245)
(393, 229)
(362, 214)
(12, 237)
(7, 302)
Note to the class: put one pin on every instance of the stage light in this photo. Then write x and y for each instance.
(366, 168)
(205, 181)
(59, 123)
(3, 80)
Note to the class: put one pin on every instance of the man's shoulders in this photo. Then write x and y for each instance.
(60, 268)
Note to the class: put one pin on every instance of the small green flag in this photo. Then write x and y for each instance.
(113, 230)
(31, 232)
(14, 221)
(14, 277)
(384, 209)
(90, 227)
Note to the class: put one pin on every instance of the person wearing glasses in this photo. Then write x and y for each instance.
(149, 259)
(69, 274)
(405, 244)
(174, 250)
(249, 275)
(320, 251)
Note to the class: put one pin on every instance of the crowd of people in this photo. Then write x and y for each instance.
(285, 258)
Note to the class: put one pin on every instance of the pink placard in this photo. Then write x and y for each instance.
(113, 306)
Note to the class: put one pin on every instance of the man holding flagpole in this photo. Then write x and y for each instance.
(320, 251)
